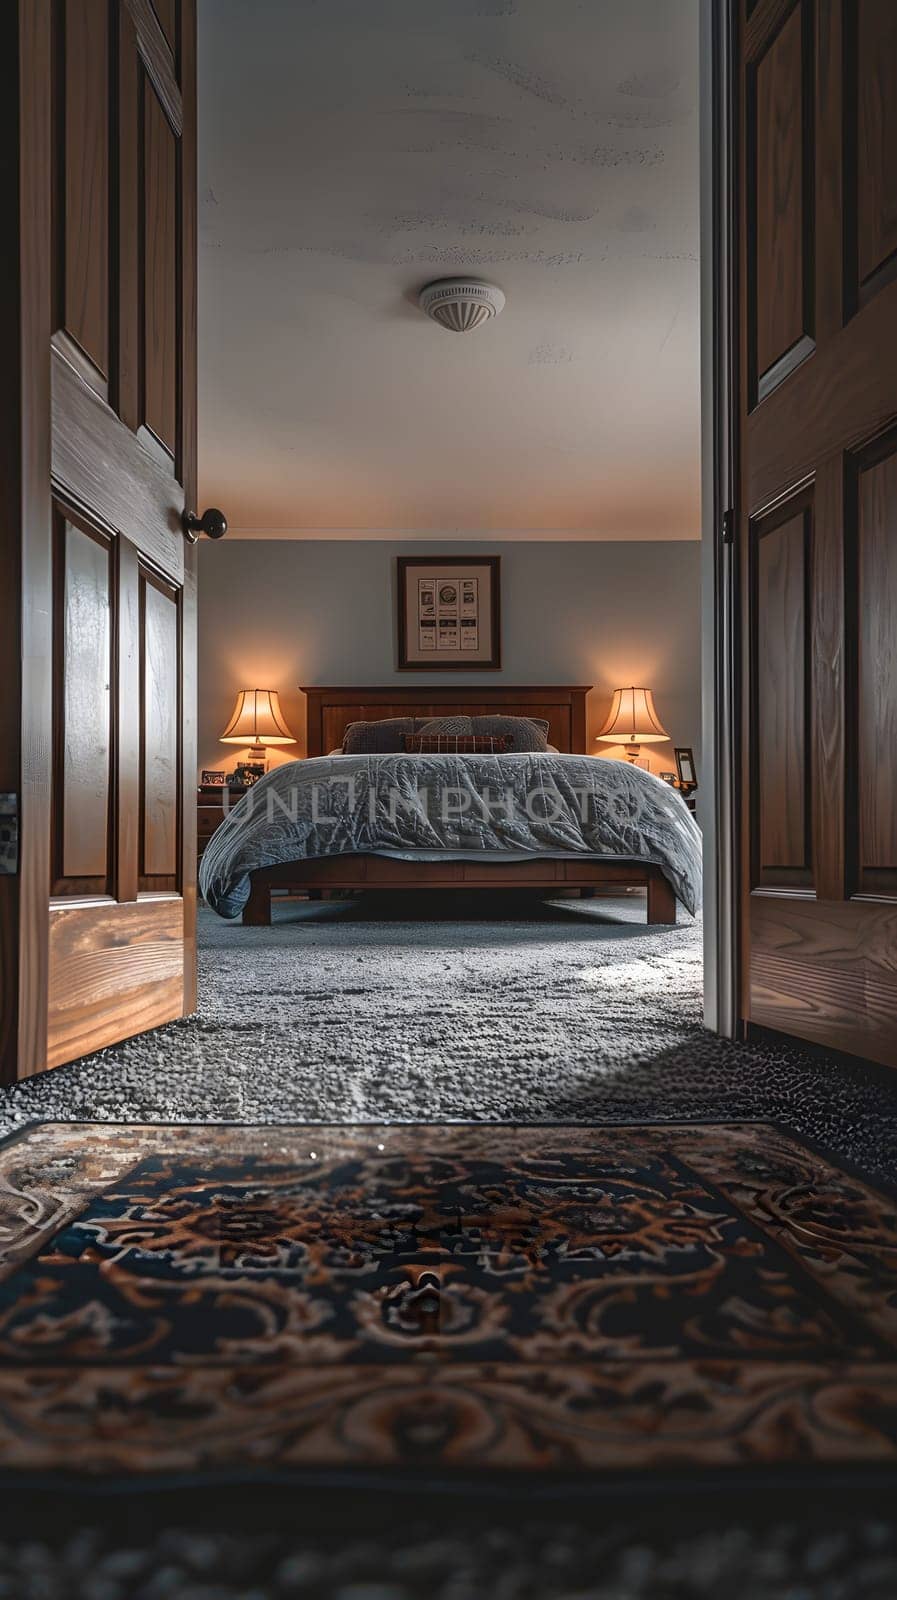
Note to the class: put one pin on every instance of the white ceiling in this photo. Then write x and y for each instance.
(351, 151)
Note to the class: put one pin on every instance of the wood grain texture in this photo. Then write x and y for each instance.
(817, 963)
(830, 219)
(330, 709)
(365, 872)
(65, 95)
(157, 59)
(761, 22)
(128, 674)
(827, 971)
(159, 275)
(876, 135)
(876, 708)
(99, 466)
(114, 971)
(35, 519)
(83, 779)
(125, 395)
(166, 15)
(844, 396)
(781, 735)
(827, 650)
(85, 241)
(160, 708)
(781, 221)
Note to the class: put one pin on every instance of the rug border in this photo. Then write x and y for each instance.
(851, 1168)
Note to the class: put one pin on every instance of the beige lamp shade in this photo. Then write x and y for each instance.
(257, 720)
(633, 719)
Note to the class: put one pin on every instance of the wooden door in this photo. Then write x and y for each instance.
(816, 86)
(99, 922)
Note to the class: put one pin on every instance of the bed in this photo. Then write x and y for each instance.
(341, 822)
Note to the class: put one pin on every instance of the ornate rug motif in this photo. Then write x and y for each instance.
(476, 1298)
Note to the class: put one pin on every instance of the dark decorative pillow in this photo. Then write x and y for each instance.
(521, 733)
(454, 744)
(382, 738)
(454, 725)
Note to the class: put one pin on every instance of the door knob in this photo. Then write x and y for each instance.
(213, 523)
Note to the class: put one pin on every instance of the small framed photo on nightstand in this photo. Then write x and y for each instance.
(212, 779)
(685, 767)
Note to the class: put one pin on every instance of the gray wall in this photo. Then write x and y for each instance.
(278, 613)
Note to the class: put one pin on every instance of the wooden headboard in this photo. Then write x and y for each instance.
(329, 710)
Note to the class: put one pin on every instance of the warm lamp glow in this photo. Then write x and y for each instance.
(257, 721)
(633, 721)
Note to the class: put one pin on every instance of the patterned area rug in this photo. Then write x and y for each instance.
(465, 1299)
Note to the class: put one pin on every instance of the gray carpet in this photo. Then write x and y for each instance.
(603, 1557)
(513, 1010)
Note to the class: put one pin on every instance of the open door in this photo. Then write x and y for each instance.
(815, 94)
(99, 909)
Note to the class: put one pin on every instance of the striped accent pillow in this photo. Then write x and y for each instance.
(454, 744)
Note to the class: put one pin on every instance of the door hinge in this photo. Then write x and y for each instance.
(727, 529)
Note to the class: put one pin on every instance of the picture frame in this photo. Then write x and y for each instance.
(685, 767)
(213, 779)
(449, 613)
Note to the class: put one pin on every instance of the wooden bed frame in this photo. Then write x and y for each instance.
(329, 710)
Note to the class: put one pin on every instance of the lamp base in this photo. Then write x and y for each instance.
(632, 751)
(258, 755)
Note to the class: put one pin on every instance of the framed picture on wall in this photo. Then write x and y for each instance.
(449, 612)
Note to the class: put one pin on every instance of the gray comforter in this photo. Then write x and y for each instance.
(415, 806)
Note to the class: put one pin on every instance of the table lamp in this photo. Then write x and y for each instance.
(633, 721)
(257, 721)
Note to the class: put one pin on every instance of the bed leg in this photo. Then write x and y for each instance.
(661, 899)
(257, 910)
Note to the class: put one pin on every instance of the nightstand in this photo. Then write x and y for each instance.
(210, 812)
(209, 815)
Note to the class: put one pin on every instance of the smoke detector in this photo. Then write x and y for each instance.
(461, 304)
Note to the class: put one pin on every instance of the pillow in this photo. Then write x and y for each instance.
(453, 744)
(521, 733)
(382, 738)
(453, 725)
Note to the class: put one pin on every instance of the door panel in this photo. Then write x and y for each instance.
(873, 493)
(159, 702)
(117, 970)
(818, 519)
(780, 157)
(84, 737)
(108, 902)
(83, 254)
(871, 99)
(102, 467)
(158, 280)
(782, 735)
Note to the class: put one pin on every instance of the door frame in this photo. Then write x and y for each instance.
(720, 644)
